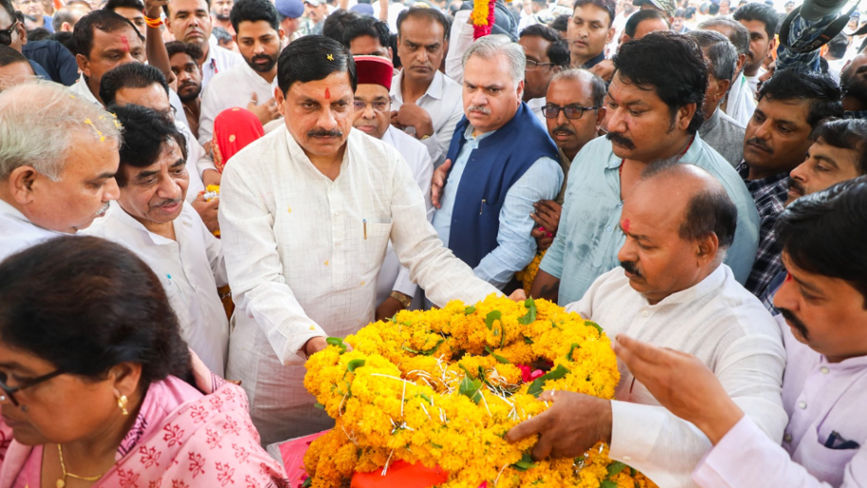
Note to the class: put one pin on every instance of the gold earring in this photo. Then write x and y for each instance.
(121, 404)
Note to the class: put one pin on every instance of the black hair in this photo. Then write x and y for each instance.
(253, 11)
(192, 50)
(144, 132)
(312, 58)
(824, 233)
(560, 23)
(761, 12)
(739, 36)
(335, 24)
(606, 5)
(679, 78)
(639, 17)
(38, 34)
(837, 46)
(820, 89)
(104, 20)
(558, 49)
(710, 211)
(66, 39)
(85, 304)
(61, 16)
(113, 4)
(846, 134)
(9, 56)
(431, 14)
(367, 26)
(129, 75)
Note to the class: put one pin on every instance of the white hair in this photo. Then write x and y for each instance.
(493, 45)
(37, 123)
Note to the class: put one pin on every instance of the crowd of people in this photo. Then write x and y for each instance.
(194, 196)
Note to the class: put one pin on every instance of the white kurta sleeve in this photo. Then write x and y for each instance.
(422, 172)
(255, 270)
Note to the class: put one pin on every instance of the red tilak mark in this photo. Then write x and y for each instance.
(788, 277)
(327, 94)
(624, 224)
(125, 42)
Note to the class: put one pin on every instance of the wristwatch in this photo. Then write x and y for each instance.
(404, 299)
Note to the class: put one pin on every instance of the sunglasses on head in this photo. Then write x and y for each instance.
(6, 34)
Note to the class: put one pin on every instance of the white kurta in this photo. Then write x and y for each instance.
(219, 60)
(393, 276)
(718, 321)
(231, 88)
(190, 269)
(301, 263)
(17, 233)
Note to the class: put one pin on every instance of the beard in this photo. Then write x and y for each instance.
(261, 68)
(221, 17)
(188, 96)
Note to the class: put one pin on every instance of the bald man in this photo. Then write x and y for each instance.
(672, 290)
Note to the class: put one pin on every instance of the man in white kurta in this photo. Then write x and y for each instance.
(305, 232)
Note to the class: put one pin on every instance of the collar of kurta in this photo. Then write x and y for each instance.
(709, 284)
(434, 90)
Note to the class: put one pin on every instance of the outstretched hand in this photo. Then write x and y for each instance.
(438, 182)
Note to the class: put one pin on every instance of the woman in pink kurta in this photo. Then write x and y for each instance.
(91, 362)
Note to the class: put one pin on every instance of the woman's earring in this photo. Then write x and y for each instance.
(121, 404)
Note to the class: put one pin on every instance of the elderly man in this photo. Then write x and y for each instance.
(190, 21)
(822, 302)
(649, 123)
(504, 162)
(394, 289)
(740, 101)
(421, 96)
(58, 157)
(155, 222)
(306, 216)
(249, 84)
(672, 290)
(791, 105)
(719, 131)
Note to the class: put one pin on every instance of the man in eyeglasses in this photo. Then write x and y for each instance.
(394, 288)
(547, 54)
(573, 113)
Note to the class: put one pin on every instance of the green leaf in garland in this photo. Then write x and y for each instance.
(500, 359)
(491, 317)
(424, 352)
(536, 386)
(594, 324)
(354, 364)
(319, 405)
(608, 484)
(469, 310)
(308, 482)
(571, 350)
(525, 463)
(615, 468)
(336, 341)
(470, 389)
(530, 317)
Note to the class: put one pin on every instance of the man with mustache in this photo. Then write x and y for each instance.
(153, 220)
(504, 162)
(190, 21)
(306, 216)
(589, 31)
(673, 290)
(250, 84)
(653, 115)
(573, 113)
(822, 300)
(58, 158)
(791, 104)
(394, 289)
(182, 58)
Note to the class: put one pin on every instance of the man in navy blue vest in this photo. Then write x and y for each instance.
(504, 162)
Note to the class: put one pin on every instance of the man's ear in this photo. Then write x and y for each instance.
(279, 98)
(22, 182)
(83, 64)
(685, 115)
(707, 248)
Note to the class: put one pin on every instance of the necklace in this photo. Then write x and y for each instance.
(61, 482)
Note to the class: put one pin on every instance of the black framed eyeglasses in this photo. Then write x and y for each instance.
(9, 392)
(532, 64)
(572, 111)
(6, 34)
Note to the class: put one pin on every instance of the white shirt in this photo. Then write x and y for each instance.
(219, 60)
(81, 89)
(197, 162)
(190, 269)
(303, 252)
(443, 101)
(536, 105)
(231, 88)
(394, 10)
(392, 276)
(741, 102)
(460, 38)
(718, 321)
(17, 233)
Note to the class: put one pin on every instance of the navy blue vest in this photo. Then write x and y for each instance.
(499, 161)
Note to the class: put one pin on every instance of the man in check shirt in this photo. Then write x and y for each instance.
(306, 216)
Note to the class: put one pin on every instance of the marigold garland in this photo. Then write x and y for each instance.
(528, 274)
(482, 16)
(442, 387)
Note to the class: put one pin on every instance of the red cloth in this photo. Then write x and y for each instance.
(402, 474)
(374, 70)
(234, 128)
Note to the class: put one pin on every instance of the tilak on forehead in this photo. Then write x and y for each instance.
(125, 43)
(327, 94)
(624, 224)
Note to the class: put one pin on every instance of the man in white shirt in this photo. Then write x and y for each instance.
(190, 21)
(144, 85)
(250, 84)
(394, 289)
(306, 217)
(152, 219)
(58, 157)
(421, 96)
(672, 290)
